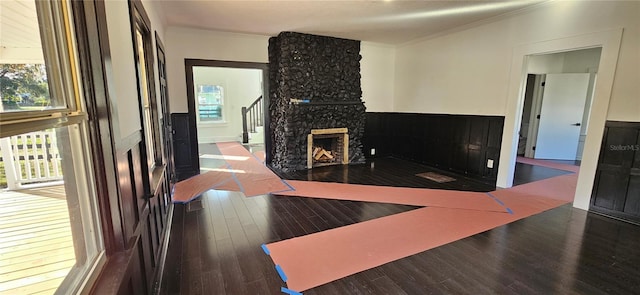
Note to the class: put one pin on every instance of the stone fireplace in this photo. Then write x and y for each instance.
(314, 87)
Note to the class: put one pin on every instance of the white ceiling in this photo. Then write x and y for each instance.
(19, 24)
(19, 32)
(391, 22)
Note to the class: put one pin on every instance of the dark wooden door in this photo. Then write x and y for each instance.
(616, 190)
(185, 146)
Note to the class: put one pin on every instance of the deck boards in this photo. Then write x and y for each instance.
(36, 247)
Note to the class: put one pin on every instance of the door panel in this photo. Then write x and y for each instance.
(616, 190)
(563, 105)
(632, 205)
(185, 147)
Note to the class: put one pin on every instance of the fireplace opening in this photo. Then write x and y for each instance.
(327, 147)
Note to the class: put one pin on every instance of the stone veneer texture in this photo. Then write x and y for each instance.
(323, 75)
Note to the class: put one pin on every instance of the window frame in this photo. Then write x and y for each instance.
(58, 23)
(140, 23)
(61, 62)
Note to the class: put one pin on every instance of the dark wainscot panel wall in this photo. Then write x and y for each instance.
(616, 190)
(458, 143)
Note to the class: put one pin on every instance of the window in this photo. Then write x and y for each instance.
(53, 238)
(24, 87)
(26, 90)
(148, 105)
(210, 100)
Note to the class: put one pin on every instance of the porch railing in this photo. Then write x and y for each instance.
(252, 117)
(30, 158)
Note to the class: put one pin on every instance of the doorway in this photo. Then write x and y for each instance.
(556, 109)
(218, 93)
(609, 41)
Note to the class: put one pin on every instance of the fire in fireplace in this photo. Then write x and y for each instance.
(327, 147)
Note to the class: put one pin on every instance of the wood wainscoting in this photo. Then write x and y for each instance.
(133, 197)
(145, 210)
(616, 189)
(457, 143)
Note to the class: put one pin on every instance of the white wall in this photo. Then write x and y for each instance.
(377, 69)
(185, 43)
(545, 63)
(479, 70)
(581, 61)
(466, 72)
(240, 87)
(124, 104)
(377, 64)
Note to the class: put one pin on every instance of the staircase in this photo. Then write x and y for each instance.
(253, 121)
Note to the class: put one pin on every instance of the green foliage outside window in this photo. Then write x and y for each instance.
(23, 87)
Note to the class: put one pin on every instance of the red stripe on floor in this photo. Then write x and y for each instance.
(261, 155)
(256, 178)
(319, 258)
(394, 195)
(188, 189)
(243, 173)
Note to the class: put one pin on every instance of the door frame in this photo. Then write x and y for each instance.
(163, 93)
(536, 106)
(609, 41)
(191, 103)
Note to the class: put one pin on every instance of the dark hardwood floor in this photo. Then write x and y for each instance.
(214, 248)
(397, 172)
(526, 173)
(387, 172)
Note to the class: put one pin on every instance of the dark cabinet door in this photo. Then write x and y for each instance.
(616, 190)
(185, 147)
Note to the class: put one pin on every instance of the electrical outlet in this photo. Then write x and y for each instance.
(490, 163)
(373, 152)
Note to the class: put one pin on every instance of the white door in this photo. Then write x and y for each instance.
(561, 115)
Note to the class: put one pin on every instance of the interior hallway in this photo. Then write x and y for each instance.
(215, 247)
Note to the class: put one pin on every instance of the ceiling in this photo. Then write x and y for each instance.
(19, 32)
(19, 24)
(390, 22)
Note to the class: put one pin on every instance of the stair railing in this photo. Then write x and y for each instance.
(252, 117)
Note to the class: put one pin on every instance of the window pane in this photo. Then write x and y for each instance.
(23, 70)
(145, 101)
(51, 237)
(210, 102)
